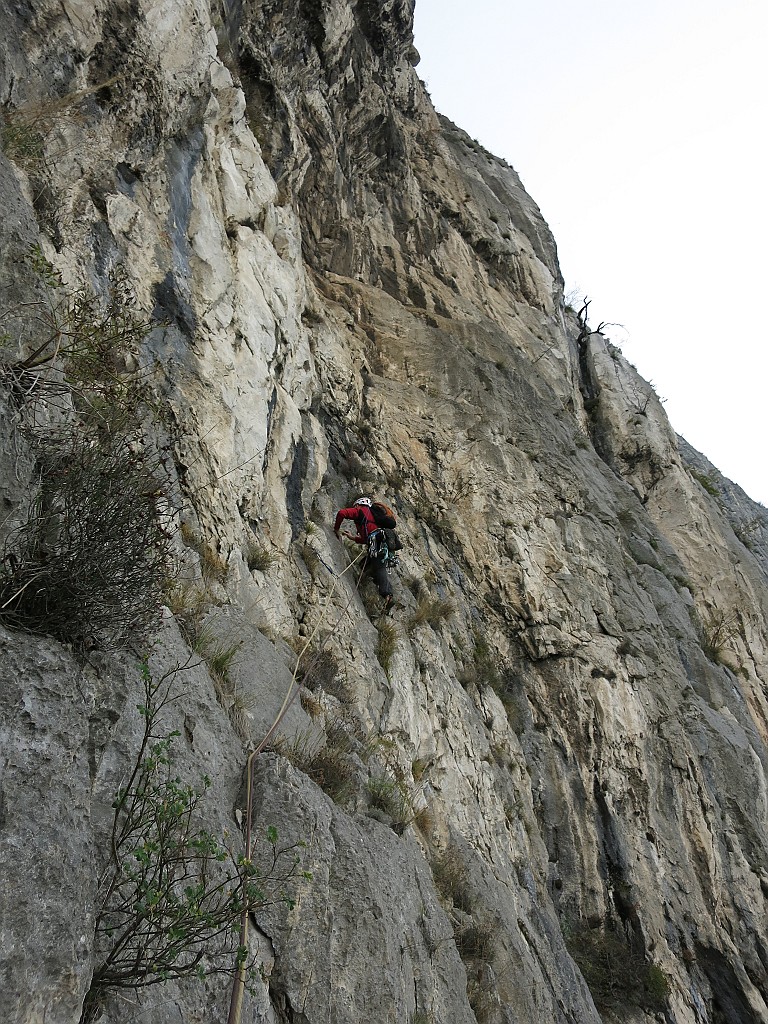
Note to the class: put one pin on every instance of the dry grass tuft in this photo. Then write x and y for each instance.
(258, 557)
(326, 762)
(430, 611)
(386, 644)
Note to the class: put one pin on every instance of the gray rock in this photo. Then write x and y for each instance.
(556, 745)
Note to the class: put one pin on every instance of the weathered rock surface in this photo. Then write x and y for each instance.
(560, 747)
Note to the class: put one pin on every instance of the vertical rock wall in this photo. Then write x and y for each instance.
(551, 760)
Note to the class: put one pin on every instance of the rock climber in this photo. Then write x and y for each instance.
(361, 515)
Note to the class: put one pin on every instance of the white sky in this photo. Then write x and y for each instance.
(640, 131)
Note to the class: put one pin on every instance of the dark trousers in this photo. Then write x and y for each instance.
(377, 571)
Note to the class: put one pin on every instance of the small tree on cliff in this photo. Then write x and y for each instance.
(173, 893)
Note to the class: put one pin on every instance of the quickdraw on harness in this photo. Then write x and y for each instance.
(383, 546)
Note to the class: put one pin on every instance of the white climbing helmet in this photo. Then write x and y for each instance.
(364, 501)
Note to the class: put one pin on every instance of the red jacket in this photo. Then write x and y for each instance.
(363, 519)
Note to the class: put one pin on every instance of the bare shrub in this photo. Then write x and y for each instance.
(77, 347)
(476, 942)
(91, 558)
(25, 131)
(617, 974)
(451, 878)
(320, 669)
(718, 633)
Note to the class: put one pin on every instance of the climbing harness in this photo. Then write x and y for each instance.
(377, 546)
(383, 545)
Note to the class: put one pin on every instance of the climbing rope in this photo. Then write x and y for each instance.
(238, 988)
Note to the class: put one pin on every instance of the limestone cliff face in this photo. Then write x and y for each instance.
(558, 752)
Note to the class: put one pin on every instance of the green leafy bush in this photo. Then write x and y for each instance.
(706, 482)
(173, 893)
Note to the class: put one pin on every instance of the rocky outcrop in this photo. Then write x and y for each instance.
(536, 792)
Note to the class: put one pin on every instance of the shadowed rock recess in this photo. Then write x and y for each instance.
(537, 791)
